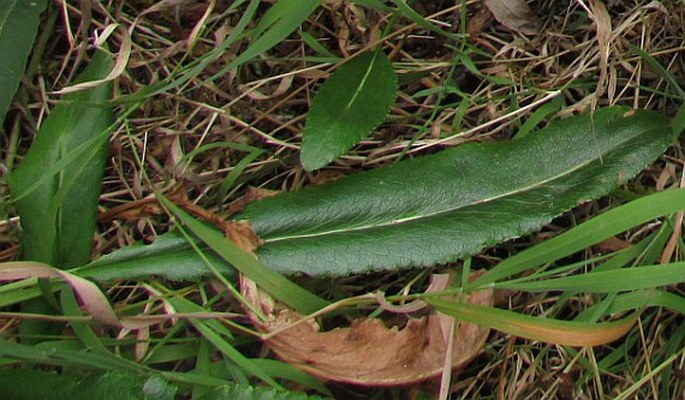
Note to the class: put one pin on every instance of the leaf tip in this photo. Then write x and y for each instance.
(313, 162)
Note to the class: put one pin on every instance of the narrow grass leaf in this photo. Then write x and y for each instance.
(316, 46)
(93, 299)
(352, 102)
(634, 254)
(235, 173)
(641, 299)
(186, 73)
(202, 366)
(665, 74)
(58, 217)
(419, 20)
(675, 342)
(19, 21)
(273, 283)
(567, 333)
(94, 361)
(172, 353)
(185, 306)
(82, 330)
(282, 19)
(279, 369)
(607, 281)
(539, 115)
(221, 344)
(17, 292)
(595, 230)
(452, 204)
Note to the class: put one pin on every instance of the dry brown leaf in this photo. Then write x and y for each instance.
(612, 244)
(239, 232)
(676, 236)
(242, 234)
(326, 176)
(367, 353)
(251, 194)
(133, 210)
(252, 91)
(514, 14)
(479, 22)
(599, 14)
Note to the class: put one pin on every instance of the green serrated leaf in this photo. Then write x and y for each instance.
(18, 27)
(441, 207)
(145, 261)
(33, 384)
(58, 216)
(352, 102)
(245, 392)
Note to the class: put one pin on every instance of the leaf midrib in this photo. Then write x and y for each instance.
(598, 157)
(361, 84)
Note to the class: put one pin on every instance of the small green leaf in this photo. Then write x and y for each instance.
(441, 207)
(352, 102)
(58, 216)
(18, 27)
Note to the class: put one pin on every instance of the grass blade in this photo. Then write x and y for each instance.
(219, 342)
(607, 281)
(18, 28)
(58, 218)
(282, 19)
(641, 299)
(588, 233)
(569, 333)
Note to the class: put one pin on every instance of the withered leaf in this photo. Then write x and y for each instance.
(242, 234)
(367, 353)
(251, 194)
(514, 14)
